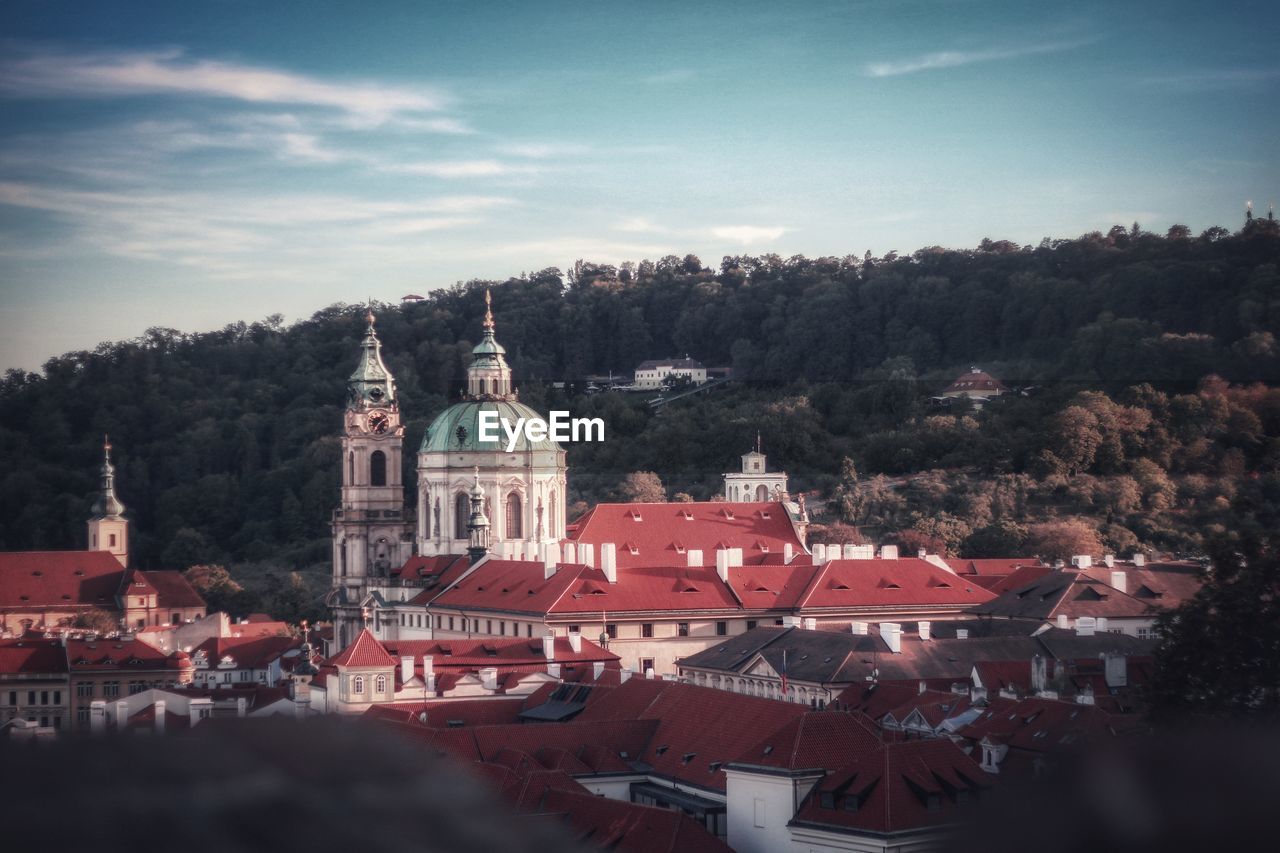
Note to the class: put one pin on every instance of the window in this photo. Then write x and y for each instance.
(488, 626)
(461, 515)
(378, 468)
(82, 716)
(450, 623)
(646, 630)
(44, 697)
(357, 684)
(502, 628)
(175, 619)
(682, 629)
(113, 540)
(751, 624)
(575, 629)
(759, 812)
(612, 630)
(13, 697)
(722, 629)
(528, 630)
(136, 687)
(646, 664)
(515, 520)
(827, 800)
(244, 675)
(380, 684)
(57, 697)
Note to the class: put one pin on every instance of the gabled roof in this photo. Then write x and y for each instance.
(663, 533)
(1160, 585)
(172, 590)
(816, 740)
(364, 651)
(246, 652)
(998, 567)
(974, 381)
(617, 825)
(1021, 576)
(882, 583)
(40, 579)
(121, 656)
(1066, 592)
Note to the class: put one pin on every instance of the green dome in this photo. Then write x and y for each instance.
(457, 428)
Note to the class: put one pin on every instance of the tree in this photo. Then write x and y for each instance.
(1000, 539)
(642, 487)
(98, 620)
(1219, 653)
(1062, 540)
(848, 496)
(216, 586)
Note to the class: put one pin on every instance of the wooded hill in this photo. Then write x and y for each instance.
(227, 442)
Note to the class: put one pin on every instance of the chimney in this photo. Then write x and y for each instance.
(122, 714)
(489, 678)
(864, 552)
(891, 633)
(1085, 626)
(575, 641)
(926, 630)
(570, 553)
(1119, 581)
(791, 621)
(1100, 625)
(242, 706)
(609, 561)
(1115, 669)
(597, 669)
(159, 710)
(693, 557)
(889, 552)
(810, 623)
(553, 669)
(97, 716)
(587, 554)
(1082, 561)
(1139, 560)
(977, 694)
(921, 553)
(431, 684)
(1039, 674)
(722, 564)
(962, 633)
(406, 668)
(625, 675)
(428, 666)
(848, 550)
(859, 628)
(819, 554)
(1109, 560)
(788, 553)
(1085, 696)
(549, 646)
(735, 557)
(552, 555)
(648, 673)
(548, 570)
(924, 685)
(1063, 621)
(517, 551)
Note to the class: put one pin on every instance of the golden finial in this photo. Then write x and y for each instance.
(488, 310)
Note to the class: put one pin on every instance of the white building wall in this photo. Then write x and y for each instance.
(759, 808)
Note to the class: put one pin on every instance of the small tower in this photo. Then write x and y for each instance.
(489, 376)
(478, 524)
(754, 482)
(303, 672)
(108, 528)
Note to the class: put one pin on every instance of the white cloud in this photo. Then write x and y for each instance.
(639, 225)
(748, 234)
(461, 168)
(955, 58)
(55, 74)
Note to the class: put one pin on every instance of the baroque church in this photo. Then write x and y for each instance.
(471, 494)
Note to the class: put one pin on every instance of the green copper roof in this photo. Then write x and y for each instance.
(488, 347)
(457, 428)
(371, 383)
(107, 505)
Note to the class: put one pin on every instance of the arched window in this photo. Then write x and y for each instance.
(357, 684)
(515, 517)
(762, 493)
(380, 684)
(461, 513)
(351, 468)
(342, 551)
(378, 468)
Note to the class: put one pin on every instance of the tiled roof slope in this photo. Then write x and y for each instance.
(32, 656)
(663, 533)
(31, 579)
(364, 651)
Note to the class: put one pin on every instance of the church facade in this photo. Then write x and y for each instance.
(519, 496)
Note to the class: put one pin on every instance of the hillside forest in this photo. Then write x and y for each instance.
(1144, 410)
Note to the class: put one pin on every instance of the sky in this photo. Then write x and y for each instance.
(193, 164)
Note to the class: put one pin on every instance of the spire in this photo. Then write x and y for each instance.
(478, 523)
(305, 667)
(371, 384)
(107, 505)
(758, 445)
(489, 376)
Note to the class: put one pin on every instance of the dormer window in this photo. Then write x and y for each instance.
(635, 515)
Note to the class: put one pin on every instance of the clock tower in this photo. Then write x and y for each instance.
(371, 535)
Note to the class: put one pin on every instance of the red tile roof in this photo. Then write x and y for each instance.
(121, 656)
(39, 579)
(993, 567)
(818, 739)
(364, 651)
(663, 533)
(882, 583)
(246, 652)
(1066, 592)
(899, 786)
(1023, 575)
(1161, 585)
(615, 825)
(29, 656)
(974, 380)
(173, 590)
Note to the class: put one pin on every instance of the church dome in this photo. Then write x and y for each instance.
(457, 428)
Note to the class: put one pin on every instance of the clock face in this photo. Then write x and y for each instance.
(379, 423)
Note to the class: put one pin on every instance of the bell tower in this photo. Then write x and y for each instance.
(108, 528)
(370, 534)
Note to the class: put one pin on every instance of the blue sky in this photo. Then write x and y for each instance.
(193, 164)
